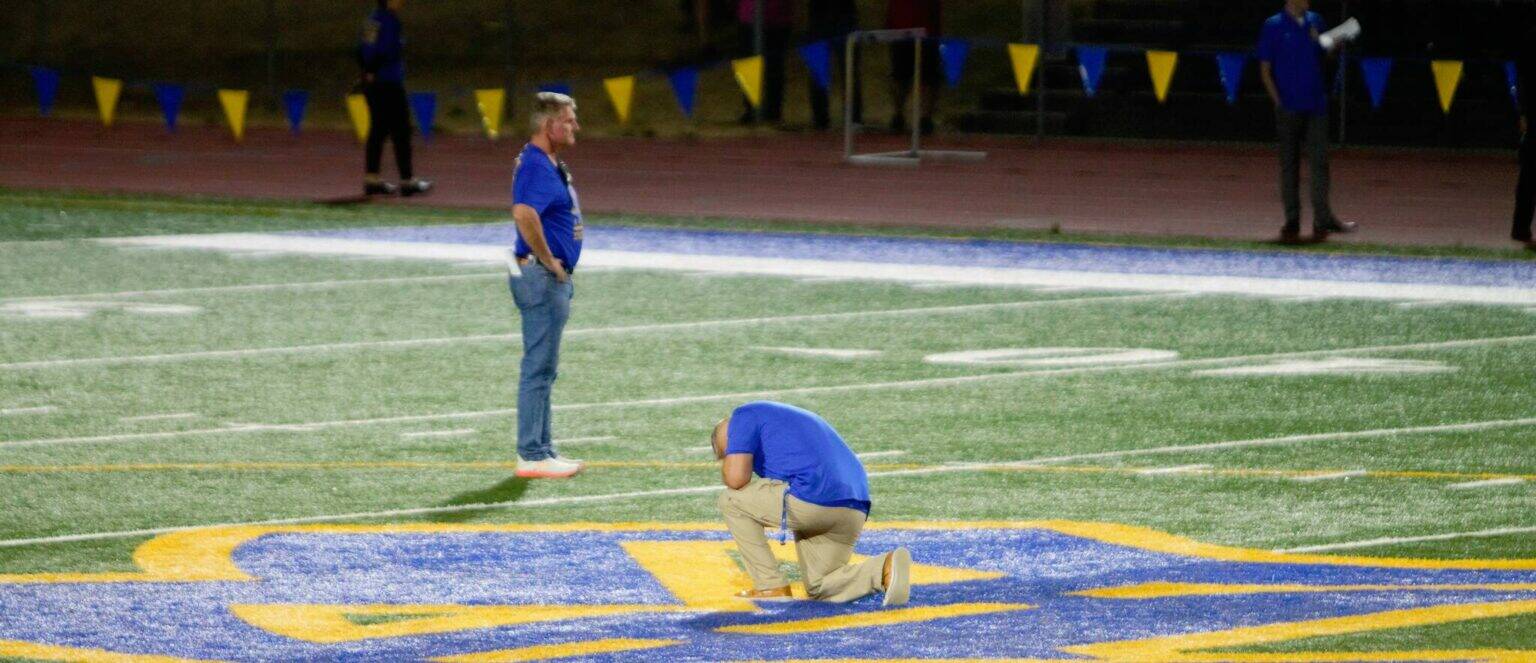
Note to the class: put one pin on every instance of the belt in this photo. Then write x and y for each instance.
(524, 261)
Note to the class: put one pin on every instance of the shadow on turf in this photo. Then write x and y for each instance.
(509, 490)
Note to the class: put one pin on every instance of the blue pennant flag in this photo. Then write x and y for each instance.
(818, 58)
(47, 82)
(1090, 65)
(1375, 71)
(953, 52)
(1512, 75)
(424, 106)
(295, 101)
(1231, 65)
(684, 82)
(169, 95)
(556, 86)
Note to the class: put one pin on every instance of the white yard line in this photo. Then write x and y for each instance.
(1177, 469)
(259, 287)
(882, 454)
(18, 411)
(169, 416)
(1393, 540)
(700, 450)
(1487, 483)
(457, 432)
(1424, 304)
(587, 440)
(485, 338)
(1329, 476)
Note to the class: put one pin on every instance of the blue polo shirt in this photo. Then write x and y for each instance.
(799, 448)
(382, 52)
(547, 188)
(1296, 61)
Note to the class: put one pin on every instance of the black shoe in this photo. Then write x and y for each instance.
(1290, 234)
(379, 189)
(1520, 236)
(1334, 226)
(415, 187)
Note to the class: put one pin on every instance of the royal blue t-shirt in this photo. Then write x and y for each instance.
(799, 448)
(546, 188)
(1296, 61)
(383, 49)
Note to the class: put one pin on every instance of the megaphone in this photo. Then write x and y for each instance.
(1346, 32)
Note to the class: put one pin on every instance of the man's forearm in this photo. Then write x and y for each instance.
(532, 230)
(1269, 82)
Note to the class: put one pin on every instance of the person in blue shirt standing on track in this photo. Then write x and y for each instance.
(1291, 65)
(807, 482)
(381, 56)
(549, 235)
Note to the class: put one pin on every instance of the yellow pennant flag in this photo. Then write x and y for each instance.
(749, 74)
(234, 103)
(490, 101)
(1447, 77)
(1024, 57)
(107, 90)
(622, 91)
(1161, 64)
(357, 107)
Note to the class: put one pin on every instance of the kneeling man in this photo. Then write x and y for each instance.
(807, 482)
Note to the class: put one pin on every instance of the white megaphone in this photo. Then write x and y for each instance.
(1346, 32)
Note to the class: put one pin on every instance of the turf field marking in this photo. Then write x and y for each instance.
(1329, 476)
(483, 338)
(18, 411)
(1394, 540)
(1334, 366)
(1042, 357)
(457, 432)
(587, 440)
(825, 353)
(1487, 483)
(1177, 469)
(1432, 303)
(258, 287)
(169, 416)
(871, 619)
(882, 454)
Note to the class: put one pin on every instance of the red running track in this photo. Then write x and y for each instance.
(1229, 191)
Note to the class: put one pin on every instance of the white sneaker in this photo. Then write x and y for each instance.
(549, 468)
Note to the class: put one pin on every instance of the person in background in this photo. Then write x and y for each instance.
(381, 57)
(1525, 94)
(1291, 65)
(778, 20)
(833, 20)
(905, 14)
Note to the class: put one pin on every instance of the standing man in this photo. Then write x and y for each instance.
(778, 21)
(1291, 64)
(549, 234)
(1525, 93)
(833, 20)
(810, 483)
(381, 56)
(902, 15)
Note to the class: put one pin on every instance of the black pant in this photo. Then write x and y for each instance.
(775, 43)
(1525, 192)
(1296, 130)
(388, 115)
(820, 99)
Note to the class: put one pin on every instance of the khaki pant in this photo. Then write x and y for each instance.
(824, 538)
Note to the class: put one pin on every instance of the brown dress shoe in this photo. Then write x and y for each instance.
(772, 594)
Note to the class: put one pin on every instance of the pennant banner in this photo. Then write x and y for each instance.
(1090, 67)
(685, 82)
(954, 52)
(295, 101)
(357, 108)
(1161, 65)
(1375, 71)
(169, 95)
(818, 59)
(749, 75)
(1024, 58)
(1511, 74)
(1230, 66)
(47, 83)
(424, 106)
(1447, 77)
(490, 102)
(235, 103)
(556, 86)
(107, 90)
(621, 90)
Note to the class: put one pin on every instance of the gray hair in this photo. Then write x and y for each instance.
(547, 105)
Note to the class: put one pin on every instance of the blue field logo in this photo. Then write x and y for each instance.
(1050, 590)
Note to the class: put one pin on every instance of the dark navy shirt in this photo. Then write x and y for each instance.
(547, 188)
(1296, 61)
(799, 448)
(383, 48)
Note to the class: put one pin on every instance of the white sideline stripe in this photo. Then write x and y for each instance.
(258, 287)
(1177, 469)
(1387, 541)
(1487, 483)
(457, 432)
(1329, 476)
(160, 417)
(486, 338)
(902, 272)
(17, 411)
(882, 454)
(964, 467)
(903, 384)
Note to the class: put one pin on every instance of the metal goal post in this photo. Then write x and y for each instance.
(912, 156)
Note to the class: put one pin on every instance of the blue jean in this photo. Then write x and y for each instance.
(545, 305)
